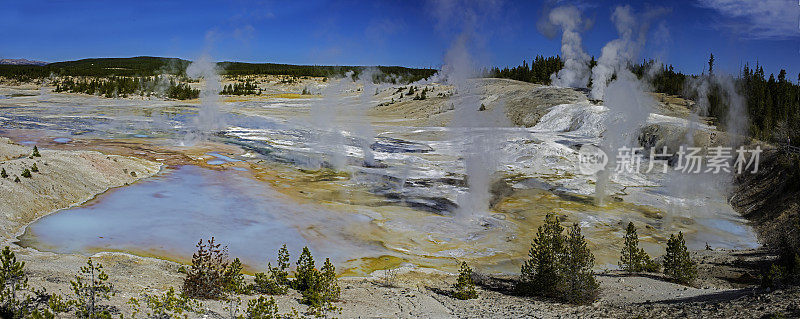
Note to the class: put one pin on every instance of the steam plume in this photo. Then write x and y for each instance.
(208, 118)
(576, 62)
(616, 54)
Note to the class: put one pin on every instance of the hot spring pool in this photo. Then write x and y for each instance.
(166, 215)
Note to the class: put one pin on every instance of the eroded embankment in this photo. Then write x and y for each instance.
(770, 198)
(61, 179)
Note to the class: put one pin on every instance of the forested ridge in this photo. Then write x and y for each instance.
(151, 66)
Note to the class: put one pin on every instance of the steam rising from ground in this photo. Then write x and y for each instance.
(209, 118)
(616, 55)
(480, 153)
(576, 62)
(724, 86)
(629, 105)
(362, 127)
(329, 139)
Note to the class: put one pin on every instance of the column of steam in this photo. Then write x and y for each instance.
(629, 105)
(364, 131)
(329, 140)
(626, 99)
(208, 118)
(468, 123)
(575, 72)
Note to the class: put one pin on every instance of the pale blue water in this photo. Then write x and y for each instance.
(167, 215)
(220, 159)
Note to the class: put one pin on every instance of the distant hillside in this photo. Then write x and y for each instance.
(149, 66)
(21, 62)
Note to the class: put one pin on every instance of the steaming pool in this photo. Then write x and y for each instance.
(166, 215)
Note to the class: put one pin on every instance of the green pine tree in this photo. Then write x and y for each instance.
(12, 281)
(711, 64)
(36, 152)
(304, 276)
(3, 173)
(540, 273)
(634, 259)
(331, 290)
(579, 283)
(281, 273)
(678, 265)
(464, 288)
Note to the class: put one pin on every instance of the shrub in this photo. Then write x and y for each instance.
(206, 277)
(785, 270)
(266, 284)
(389, 278)
(168, 305)
(36, 152)
(233, 279)
(26, 173)
(540, 273)
(323, 290)
(16, 179)
(464, 288)
(3, 173)
(559, 266)
(312, 296)
(277, 282)
(318, 288)
(89, 287)
(262, 308)
(634, 259)
(678, 265)
(34, 168)
(579, 283)
(281, 273)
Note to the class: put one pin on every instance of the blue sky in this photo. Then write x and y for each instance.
(410, 33)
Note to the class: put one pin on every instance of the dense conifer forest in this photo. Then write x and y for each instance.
(151, 66)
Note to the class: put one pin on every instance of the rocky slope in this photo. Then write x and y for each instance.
(64, 179)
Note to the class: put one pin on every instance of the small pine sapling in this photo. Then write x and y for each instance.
(331, 289)
(90, 287)
(305, 272)
(634, 259)
(205, 278)
(464, 288)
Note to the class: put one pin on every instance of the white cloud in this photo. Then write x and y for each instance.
(757, 19)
